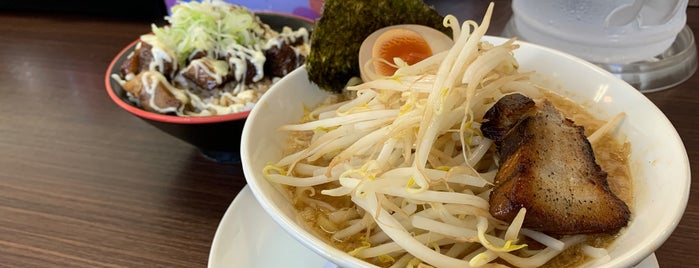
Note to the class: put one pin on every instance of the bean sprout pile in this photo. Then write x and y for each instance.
(408, 152)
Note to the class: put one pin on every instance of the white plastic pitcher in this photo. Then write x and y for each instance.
(578, 27)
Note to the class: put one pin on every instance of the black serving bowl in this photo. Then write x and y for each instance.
(218, 136)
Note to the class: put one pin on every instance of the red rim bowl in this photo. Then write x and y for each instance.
(276, 21)
(217, 137)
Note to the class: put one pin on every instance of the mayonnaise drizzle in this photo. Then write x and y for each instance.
(161, 55)
(238, 58)
(213, 68)
(150, 81)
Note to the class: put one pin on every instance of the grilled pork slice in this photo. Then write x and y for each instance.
(507, 112)
(548, 167)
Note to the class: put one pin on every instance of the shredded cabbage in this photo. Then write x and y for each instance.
(210, 26)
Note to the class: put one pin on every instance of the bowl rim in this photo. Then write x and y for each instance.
(111, 69)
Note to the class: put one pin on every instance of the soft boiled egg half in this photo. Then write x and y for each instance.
(389, 47)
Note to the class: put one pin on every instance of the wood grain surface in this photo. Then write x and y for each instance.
(86, 184)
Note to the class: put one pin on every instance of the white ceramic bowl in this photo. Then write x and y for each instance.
(658, 160)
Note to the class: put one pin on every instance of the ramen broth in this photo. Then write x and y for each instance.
(610, 154)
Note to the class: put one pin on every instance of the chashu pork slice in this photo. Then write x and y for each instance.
(548, 167)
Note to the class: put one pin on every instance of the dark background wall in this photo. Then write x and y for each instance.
(128, 9)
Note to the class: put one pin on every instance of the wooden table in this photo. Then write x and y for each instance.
(85, 184)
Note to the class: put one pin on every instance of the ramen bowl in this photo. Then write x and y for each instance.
(217, 136)
(658, 160)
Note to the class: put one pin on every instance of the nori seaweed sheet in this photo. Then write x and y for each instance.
(339, 33)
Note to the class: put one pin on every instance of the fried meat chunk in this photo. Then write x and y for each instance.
(145, 58)
(151, 90)
(207, 73)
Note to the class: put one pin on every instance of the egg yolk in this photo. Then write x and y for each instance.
(406, 44)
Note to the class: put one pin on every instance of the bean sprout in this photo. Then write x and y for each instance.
(408, 153)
